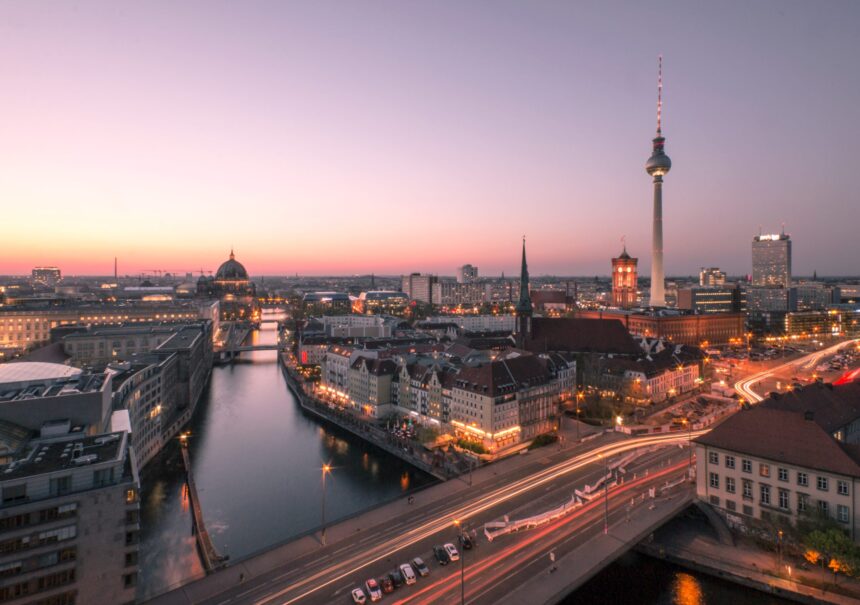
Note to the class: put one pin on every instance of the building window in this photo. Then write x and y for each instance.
(823, 508)
(748, 489)
(715, 500)
(764, 470)
(746, 465)
(783, 499)
(730, 462)
(748, 510)
(802, 479)
(842, 487)
(713, 457)
(782, 474)
(715, 480)
(822, 484)
(802, 503)
(730, 485)
(764, 492)
(842, 513)
(730, 505)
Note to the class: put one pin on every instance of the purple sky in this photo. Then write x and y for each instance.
(398, 136)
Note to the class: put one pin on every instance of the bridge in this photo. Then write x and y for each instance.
(635, 496)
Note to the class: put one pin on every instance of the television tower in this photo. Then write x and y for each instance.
(658, 165)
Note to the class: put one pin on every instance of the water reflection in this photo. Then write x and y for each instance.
(256, 461)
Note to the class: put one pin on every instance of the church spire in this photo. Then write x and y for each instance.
(525, 303)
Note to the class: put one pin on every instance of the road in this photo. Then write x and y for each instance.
(329, 573)
(744, 386)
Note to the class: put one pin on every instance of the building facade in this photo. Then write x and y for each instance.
(771, 260)
(625, 283)
(711, 276)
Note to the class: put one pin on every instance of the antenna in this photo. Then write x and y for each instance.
(659, 95)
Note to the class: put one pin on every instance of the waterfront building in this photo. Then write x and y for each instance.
(712, 299)
(419, 287)
(625, 288)
(771, 260)
(234, 289)
(467, 274)
(35, 393)
(104, 344)
(793, 454)
(711, 276)
(658, 166)
(370, 385)
(46, 276)
(69, 519)
(386, 302)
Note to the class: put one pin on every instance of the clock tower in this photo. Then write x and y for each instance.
(624, 280)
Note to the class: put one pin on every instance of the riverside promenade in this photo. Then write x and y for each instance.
(209, 555)
(424, 461)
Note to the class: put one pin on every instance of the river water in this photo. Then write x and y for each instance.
(257, 463)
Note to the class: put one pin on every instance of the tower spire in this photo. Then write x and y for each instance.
(660, 95)
(524, 306)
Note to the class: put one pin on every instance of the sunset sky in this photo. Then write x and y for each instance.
(350, 137)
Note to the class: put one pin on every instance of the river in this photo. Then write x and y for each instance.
(257, 463)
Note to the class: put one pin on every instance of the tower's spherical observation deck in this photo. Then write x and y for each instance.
(659, 163)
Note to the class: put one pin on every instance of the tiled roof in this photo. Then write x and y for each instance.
(833, 407)
(581, 336)
(507, 376)
(783, 436)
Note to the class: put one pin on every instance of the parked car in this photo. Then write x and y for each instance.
(387, 584)
(441, 555)
(420, 566)
(396, 577)
(452, 552)
(465, 541)
(373, 589)
(358, 596)
(408, 574)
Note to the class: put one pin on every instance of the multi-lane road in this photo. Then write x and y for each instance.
(750, 387)
(328, 574)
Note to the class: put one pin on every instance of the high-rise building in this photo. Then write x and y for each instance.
(467, 274)
(711, 276)
(47, 276)
(658, 165)
(712, 299)
(624, 280)
(771, 260)
(419, 287)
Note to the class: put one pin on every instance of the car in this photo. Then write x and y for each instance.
(387, 584)
(396, 577)
(452, 552)
(373, 589)
(465, 541)
(408, 574)
(358, 596)
(420, 566)
(441, 555)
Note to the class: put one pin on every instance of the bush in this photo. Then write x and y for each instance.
(472, 446)
(542, 440)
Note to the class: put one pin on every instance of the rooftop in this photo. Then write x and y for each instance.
(34, 371)
(46, 456)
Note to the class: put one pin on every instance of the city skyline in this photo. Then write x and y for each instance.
(296, 133)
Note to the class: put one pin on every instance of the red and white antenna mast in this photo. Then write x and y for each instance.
(659, 95)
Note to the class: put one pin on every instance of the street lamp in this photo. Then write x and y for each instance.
(689, 426)
(462, 566)
(605, 493)
(326, 468)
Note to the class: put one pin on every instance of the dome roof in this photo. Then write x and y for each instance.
(231, 269)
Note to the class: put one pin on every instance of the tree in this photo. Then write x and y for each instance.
(833, 547)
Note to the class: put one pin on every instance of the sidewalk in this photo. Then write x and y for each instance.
(277, 557)
(682, 544)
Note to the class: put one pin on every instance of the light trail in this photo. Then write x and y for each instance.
(744, 385)
(507, 554)
(444, 520)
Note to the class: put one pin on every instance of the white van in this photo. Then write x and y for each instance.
(408, 574)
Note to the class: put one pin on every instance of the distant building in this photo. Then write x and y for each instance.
(236, 292)
(624, 281)
(762, 300)
(714, 299)
(326, 303)
(792, 455)
(448, 293)
(467, 274)
(386, 302)
(711, 276)
(419, 287)
(677, 327)
(771, 260)
(46, 276)
(812, 296)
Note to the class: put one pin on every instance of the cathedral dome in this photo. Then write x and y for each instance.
(231, 270)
